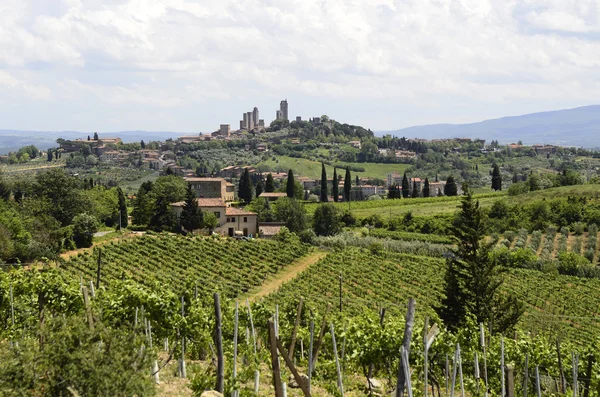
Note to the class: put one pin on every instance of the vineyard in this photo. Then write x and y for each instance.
(560, 306)
(173, 261)
(550, 243)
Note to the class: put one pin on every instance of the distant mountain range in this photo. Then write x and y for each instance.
(12, 140)
(571, 127)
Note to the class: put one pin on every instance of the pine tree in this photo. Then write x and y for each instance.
(415, 190)
(473, 279)
(334, 188)
(324, 197)
(142, 144)
(122, 208)
(95, 136)
(259, 188)
(270, 184)
(289, 187)
(426, 192)
(191, 217)
(245, 187)
(496, 178)
(347, 184)
(405, 186)
(451, 189)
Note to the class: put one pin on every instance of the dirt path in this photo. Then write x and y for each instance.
(128, 235)
(291, 271)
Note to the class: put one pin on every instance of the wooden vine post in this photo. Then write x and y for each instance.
(294, 332)
(275, 360)
(288, 361)
(219, 344)
(88, 308)
(99, 265)
(408, 328)
(321, 335)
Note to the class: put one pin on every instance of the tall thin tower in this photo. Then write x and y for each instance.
(283, 107)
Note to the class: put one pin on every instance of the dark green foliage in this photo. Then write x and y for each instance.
(142, 144)
(405, 186)
(142, 205)
(191, 216)
(49, 154)
(95, 136)
(289, 187)
(451, 189)
(63, 192)
(245, 187)
(326, 220)
(473, 279)
(162, 217)
(496, 178)
(324, 197)
(334, 188)
(415, 190)
(291, 212)
(84, 227)
(122, 208)
(347, 184)
(394, 192)
(426, 192)
(270, 184)
(5, 188)
(100, 362)
(258, 189)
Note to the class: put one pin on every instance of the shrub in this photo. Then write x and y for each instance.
(578, 228)
(84, 227)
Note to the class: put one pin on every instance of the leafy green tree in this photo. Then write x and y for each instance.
(211, 222)
(473, 280)
(84, 227)
(324, 197)
(347, 184)
(171, 188)
(64, 193)
(426, 192)
(245, 187)
(451, 189)
(142, 205)
(334, 188)
(291, 212)
(270, 184)
(290, 184)
(122, 208)
(534, 182)
(405, 186)
(191, 216)
(496, 178)
(326, 220)
(163, 217)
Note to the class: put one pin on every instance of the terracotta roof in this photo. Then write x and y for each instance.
(203, 202)
(238, 211)
(272, 194)
(203, 179)
(269, 230)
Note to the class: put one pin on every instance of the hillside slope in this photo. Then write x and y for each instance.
(570, 127)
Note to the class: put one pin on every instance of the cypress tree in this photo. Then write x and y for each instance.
(324, 198)
(357, 182)
(473, 280)
(334, 188)
(270, 184)
(415, 190)
(426, 192)
(405, 186)
(143, 144)
(451, 189)
(95, 136)
(289, 188)
(245, 187)
(496, 178)
(259, 188)
(122, 207)
(49, 154)
(191, 216)
(347, 184)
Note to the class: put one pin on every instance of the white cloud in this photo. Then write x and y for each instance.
(177, 58)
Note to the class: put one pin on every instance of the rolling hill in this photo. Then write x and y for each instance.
(570, 127)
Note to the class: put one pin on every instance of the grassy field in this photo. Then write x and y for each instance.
(312, 169)
(448, 205)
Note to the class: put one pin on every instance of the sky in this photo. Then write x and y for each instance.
(188, 66)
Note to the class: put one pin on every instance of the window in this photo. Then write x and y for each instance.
(245, 219)
(218, 214)
(233, 219)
